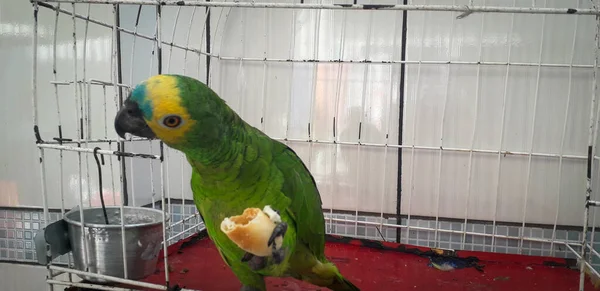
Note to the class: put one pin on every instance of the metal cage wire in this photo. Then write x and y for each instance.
(84, 144)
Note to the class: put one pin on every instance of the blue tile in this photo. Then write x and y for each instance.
(11, 244)
(29, 255)
(3, 243)
(2, 233)
(4, 254)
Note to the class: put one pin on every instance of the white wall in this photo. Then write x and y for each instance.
(302, 93)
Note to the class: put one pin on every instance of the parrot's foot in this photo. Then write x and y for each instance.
(278, 254)
(279, 231)
(254, 262)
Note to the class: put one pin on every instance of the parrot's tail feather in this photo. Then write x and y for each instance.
(342, 284)
(327, 275)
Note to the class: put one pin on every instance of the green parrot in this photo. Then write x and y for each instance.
(236, 166)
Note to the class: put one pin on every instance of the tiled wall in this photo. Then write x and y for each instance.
(18, 227)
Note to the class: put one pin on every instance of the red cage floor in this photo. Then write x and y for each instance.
(196, 264)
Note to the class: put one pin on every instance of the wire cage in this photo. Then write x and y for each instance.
(389, 103)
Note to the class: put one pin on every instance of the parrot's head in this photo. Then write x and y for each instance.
(181, 111)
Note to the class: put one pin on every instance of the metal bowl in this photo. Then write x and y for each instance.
(103, 243)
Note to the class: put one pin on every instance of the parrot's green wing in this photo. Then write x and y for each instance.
(301, 188)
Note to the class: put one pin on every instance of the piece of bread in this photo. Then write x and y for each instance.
(252, 229)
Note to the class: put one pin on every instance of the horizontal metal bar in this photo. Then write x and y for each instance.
(506, 153)
(232, 58)
(183, 220)
(593, 203)
(124, 30)
(91, 82)
(108, 278)
(448, 231)
(441, 8)
(186, 230)
(410, 62)
(88, 286)
(103, 152)
(100, 140)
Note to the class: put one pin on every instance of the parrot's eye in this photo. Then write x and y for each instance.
(171, 121)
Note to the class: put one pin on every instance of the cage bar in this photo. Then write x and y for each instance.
(102, 152)
(531, 140)
(367, 7)
(503, 120)
(441, 141)
(592, 132)
(85, 138)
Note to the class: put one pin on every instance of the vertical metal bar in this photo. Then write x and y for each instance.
(531, 140)
(592, 131)
(131, 66)
(119, 79)
(441, 150)
(475, 118)
(162, 151)
(562, 138)
(221, 45)
(264, 92)
(181, 155)
(168, 68)
(402, 98)
(389, 125)
(79, 134)
(337, 102)
(414, 127)
(150, 146)
(592, 236)
(58, 117)
(497, 194)
(187, 41)
(208, 47)
(313, 93)
(366, 76)
(115, 48)
(34, 101)
(85, 107)
(293, 65)
(242, 95)
(110, 160)
(152, 187)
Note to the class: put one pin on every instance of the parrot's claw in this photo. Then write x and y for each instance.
(278, 256)
(254, 262)
(279, 230)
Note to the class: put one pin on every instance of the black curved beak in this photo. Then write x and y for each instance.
(131, 120)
